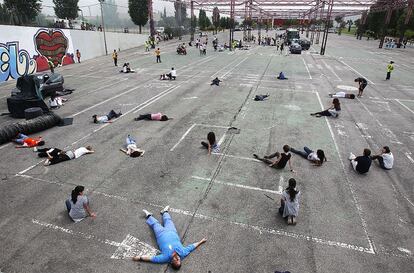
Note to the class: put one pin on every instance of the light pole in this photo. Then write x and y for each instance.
(103, 26)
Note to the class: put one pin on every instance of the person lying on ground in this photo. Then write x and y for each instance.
(317, 157)
(261, 97)
(281, 76)
(211, 145)
(215, 81)
(56, 101)
(78, 205)
(281, 159)
(385, 158)
(67, 155)
(28, 142)
(47, 152)
(361, 164)
(172, 250)
(289, 203)
(332, 111)
(342, 95)
(163, 77)
(155, 116)
(107, 118)
(172, 75)
(131, 148)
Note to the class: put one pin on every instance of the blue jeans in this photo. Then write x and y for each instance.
(68, 205)
(20, 138)
(304, 153)
(158, 228)
(130, 140)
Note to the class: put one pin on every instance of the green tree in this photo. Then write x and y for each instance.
(66, 9)
(164, 15)
(23, 12)
(203, 21)
(138, 11)
(4, 15)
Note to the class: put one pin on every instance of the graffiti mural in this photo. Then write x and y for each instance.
(52, 44)
(15, 62)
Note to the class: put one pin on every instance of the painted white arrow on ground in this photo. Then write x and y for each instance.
(128, 248)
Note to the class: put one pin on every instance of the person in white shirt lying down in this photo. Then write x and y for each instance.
(342, 95)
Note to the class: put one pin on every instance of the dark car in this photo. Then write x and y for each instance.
(295, 48)
(305, 44)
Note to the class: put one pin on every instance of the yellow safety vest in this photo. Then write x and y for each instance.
(390, 68)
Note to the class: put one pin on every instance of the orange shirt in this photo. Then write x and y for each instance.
(157, 52)
(30, 142)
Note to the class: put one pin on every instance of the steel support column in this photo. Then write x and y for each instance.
(318, 34)
(308, 26)
(326, 30)
(192, 23)
(231, 24)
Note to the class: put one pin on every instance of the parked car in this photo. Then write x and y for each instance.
(295, 48)
(305, 44)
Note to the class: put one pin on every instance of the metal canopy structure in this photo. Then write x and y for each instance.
(312, 14)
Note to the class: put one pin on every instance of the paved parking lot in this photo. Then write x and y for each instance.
(347, 222)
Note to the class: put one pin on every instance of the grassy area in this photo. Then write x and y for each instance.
(352, 32)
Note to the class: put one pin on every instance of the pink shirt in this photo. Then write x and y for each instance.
(156, 116)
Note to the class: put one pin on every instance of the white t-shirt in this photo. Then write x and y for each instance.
(173, 73)
(313, 157)
(388, 160)
(80, 152)
(339, 95)
(102, 119)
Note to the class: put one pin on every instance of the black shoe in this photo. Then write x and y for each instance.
(256, 156)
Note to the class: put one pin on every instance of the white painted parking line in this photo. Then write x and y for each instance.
(351, 189)
(182, 137)
(238, 157)
(254, 228)
(350, 67)
(237, 185)
(128, 248)
(330, 69)
(307, 69)
(405, 106)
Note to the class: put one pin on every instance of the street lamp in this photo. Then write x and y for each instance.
(103, 25)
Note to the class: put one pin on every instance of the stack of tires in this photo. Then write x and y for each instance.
(31, 126)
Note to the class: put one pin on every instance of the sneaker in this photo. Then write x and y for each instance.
(289, 222)
(35, 149)
(313, 114)
(147, 213)
(293, 220)
(165, 210)
(255, 156)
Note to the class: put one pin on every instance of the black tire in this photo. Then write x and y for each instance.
(34, 112)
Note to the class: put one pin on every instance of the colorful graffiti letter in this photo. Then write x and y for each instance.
(15, 62)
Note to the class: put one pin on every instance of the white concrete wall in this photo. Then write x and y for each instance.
(91, 43)
(18, 47)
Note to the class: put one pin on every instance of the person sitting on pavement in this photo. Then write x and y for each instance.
(281, 76)
(211, 145)
(261, 97)
(281, 159)
(55, 158)
(332, 111)
(107, 118)
(131, 148)
(385, 158)
(361, 164)
(172, 75)
(78, 205)
(289, 203)
(316, 158)
(126, 69)
(163, 77)
(172, 250)
(215, 81)
(156, 116)
(342, 95)
(28, 142)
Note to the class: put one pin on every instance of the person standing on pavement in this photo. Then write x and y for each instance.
(115, 57)
(78, 55)
(172, 250)
(362, 83)
(158, 54)
(390, 68)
